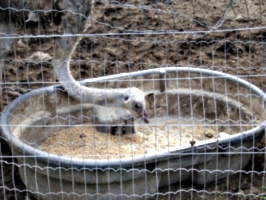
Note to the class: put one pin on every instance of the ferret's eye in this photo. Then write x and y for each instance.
(126, 98)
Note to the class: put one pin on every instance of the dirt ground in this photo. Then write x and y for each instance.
(227, 36)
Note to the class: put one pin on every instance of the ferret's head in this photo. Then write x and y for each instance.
(134, 100)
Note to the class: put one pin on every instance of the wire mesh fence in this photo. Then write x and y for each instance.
(198, 134)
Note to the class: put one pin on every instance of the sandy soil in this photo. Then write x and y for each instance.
(228, 46)
(86, 142)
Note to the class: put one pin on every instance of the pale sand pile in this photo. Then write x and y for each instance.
(84, 141)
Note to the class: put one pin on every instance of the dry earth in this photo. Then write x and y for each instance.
(229, 45)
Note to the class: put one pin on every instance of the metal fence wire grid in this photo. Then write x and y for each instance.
(132, 99)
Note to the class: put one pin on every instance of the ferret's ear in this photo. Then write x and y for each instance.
(150, 93)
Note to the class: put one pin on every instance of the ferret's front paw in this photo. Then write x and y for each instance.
(127, 126)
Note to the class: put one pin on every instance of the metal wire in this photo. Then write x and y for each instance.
(201, 66)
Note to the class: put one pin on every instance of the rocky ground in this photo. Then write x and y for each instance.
(227, 36)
